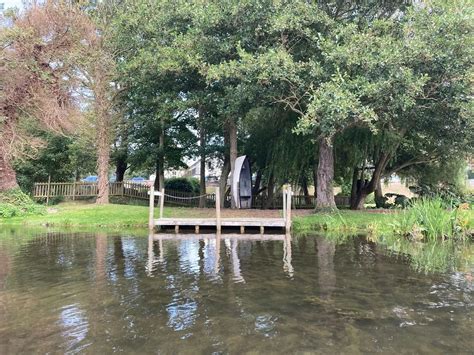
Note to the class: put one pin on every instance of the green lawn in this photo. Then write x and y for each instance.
(92, 215)
(114, 216)
(344, 221)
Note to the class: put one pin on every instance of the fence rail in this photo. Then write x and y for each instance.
(77, 190)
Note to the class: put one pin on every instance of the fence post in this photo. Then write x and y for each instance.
(162, 202)
(48, 190)
(74, 191)
(288, 209)
(218, 210)
(151, 223)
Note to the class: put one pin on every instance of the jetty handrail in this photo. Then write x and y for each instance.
(287, 196)
(139, 191)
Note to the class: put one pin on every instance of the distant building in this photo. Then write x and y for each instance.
(213, 170)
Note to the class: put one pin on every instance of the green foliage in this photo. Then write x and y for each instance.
(345, 186)
(63, 158)
(441, 179)
(15, 203)
(431, 219)
(370, 199)
(56, 200)
(447, 192)
(375, 78)
(183, 184)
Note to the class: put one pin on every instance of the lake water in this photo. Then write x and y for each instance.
(99, 293)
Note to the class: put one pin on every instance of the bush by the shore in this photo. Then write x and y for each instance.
(15, 203)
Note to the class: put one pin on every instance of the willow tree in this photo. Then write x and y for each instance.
(417, 84)
(40, 55)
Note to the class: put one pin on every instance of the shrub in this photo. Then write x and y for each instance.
(450, 193)
(182, 184)
(56, 200)
(431, 219)
(370, 199)
(14, 203)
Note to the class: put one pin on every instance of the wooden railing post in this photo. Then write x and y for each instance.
(162, 202)
(74, 191)
(49, 189)
(151, 222)
(288, 209)
(284, 202)
(218, 210)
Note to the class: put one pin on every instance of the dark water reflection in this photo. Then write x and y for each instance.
(106, 293)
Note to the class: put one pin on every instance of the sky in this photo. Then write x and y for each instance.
(12, 3)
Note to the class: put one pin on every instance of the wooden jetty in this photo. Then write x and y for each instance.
(217, 222)
(231, 236)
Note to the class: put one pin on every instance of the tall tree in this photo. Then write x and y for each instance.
(38, 75)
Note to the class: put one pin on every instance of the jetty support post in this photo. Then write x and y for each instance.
(284, 201)
(162, 202)
(151, 222)
(288, 209)
(218, 210)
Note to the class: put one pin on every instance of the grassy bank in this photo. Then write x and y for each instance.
(410, 233)
(343, 222)
(427, 220)
(89, 215)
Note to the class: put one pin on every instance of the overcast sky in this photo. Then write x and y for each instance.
(12, 3)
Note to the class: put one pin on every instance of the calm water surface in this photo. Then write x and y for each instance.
(99, 293)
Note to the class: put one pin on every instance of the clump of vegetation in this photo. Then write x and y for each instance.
(432, 219)
(346, 223)
(15, 203)
(190, 185)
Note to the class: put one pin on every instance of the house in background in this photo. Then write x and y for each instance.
(213, 171)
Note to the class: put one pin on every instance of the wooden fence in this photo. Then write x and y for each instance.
(78, 190)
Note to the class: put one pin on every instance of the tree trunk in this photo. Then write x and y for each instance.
(103, 159)
(7, 174)
(258, 181)
(270, 192)
(223, 179)
(105, 130)
(158, 173)
(304, 187)
(232, 153)
(121, 154)
(315, 171)
(378, 194)
(325, 174)
(160, 162)
(359, 200)
(367, 187)
(354, 187)
(120, 168)
(202, 172)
